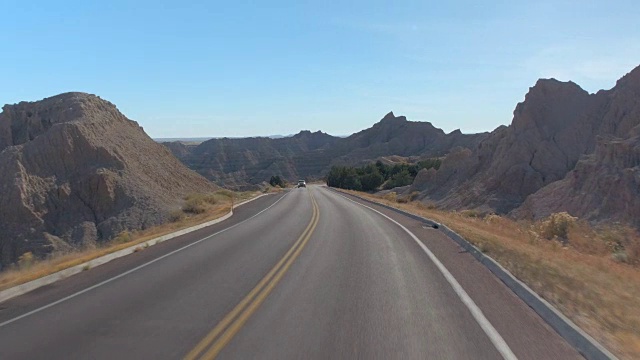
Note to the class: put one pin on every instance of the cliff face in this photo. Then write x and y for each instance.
(605, 184)
(398, 136)
(240, 162)
(540, 153)
(77, 171)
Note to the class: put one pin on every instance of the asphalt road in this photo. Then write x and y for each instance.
(307, 274)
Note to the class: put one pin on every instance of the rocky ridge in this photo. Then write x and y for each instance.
(565, 150)
(76, 171)
(242, 162)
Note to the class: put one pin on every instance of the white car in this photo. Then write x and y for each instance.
(301, 183)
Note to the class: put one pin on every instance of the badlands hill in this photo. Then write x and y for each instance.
(240, 162)
(76, 171)
(565, 150)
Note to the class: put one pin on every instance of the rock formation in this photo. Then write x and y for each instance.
(604, 185)
(240, 162)
(76, 171)
(565, 150)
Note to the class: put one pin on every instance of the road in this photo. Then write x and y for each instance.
(305, 274)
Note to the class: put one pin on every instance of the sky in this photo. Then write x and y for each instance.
(250, 68)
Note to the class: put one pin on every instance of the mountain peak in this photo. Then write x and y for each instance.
(391, 117)
(553, 85)
(305, 133)
(630, 80)
(26, 120)
(97, 173)
(64, 98)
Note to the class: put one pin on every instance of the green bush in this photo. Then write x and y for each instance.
(401, 178)
(276, 181)
(370, 177)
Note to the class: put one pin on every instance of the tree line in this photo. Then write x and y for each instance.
(375, 175)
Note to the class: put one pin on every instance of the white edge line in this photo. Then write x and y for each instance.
(547, 304)
(24, 288)
(484, 323)
(133, 270)
(553, 309)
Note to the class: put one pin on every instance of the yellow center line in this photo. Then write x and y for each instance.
(234, 320)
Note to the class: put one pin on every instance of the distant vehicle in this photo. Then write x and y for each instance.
(301, 183)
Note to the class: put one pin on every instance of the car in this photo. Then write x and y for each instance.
(301, 183)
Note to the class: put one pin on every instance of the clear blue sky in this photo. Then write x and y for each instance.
(235, 68)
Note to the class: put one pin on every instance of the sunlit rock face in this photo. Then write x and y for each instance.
(75, 171)
(565, 150)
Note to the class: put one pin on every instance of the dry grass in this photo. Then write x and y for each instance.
(215, 206)
(591, 274)
(272, 189)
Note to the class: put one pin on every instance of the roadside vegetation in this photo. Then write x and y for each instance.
(277, 181)
(196, 209)
(375, 175)
(590, 273)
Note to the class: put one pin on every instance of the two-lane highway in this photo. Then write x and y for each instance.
(305, 274)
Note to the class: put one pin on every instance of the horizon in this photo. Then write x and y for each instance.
(184, 70)
(280, 136)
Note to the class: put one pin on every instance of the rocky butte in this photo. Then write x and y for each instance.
(75, 171)
(242, 162)
(565, 150)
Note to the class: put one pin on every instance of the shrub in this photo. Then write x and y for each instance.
(210, 199)
(557, 225)
(26, 260)
(391, 196)
(176, 216)
(620, 256)
(198, 203)
(276, 181)
(370, 177)
(123, 237)
(622, 242)
(194, 206)
(344, 177)
(470, 213)
(492, 218)
(225, 193)
(372, 180)
(401, 178)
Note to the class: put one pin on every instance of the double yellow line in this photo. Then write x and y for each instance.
(226, 329)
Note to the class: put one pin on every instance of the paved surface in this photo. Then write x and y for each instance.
(305, 274)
